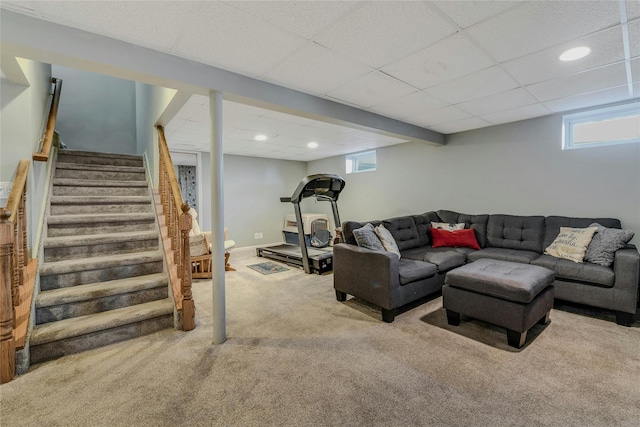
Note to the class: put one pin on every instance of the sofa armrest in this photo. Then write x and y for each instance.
(626, 266)
(366, 274)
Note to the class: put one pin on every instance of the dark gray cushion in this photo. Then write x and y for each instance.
(506, 280)
(516, 232)
(411, 270)
(582, 271)
(349, 226)
(443, 258)
(553, 224)
(404, 231)
(501, 254)
(366, 237)
(605, 243)
(476, 222)
(423, 224)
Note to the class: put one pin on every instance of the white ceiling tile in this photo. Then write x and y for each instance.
(466, 13)
(633, 9)
(588, 81)
(537, 25)
(372, 89)
(378, 33)
(591, 99)
(435, 117)
(634, 37)
(316, 69)
(410, 105)
(305, 18)
(247, 134)
(235, 40)
(515, 114)
(196, 128)
(461, 125)
(199, 99)
(276, 115)
(482, 83)
(606, 48)
(500, 101)
(161, 26)
(446, 60)
(188, 111)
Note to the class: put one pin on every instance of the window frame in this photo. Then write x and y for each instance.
(355, 158)
(601, 114)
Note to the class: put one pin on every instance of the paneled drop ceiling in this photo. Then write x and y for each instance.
(449, 66)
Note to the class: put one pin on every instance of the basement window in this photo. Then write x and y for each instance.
(599, 127)
(361, 162)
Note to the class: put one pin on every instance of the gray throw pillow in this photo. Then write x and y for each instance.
(605, 243)
(366, 237)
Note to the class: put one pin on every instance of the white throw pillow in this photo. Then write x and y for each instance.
(447, 226)
(571, 243)
(387, 240)
(198, 245)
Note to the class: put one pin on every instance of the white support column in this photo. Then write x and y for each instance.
(217, 219)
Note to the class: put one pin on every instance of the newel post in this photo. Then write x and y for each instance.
(188, 306)
(7, 342)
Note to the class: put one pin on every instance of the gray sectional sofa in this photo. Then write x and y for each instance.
(380, 278)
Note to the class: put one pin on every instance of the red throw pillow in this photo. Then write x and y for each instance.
(458, 238)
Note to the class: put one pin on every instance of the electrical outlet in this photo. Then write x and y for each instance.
(257, 235)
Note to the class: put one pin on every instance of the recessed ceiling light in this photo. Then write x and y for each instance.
(575, 53)
(312, 144)
(260, 137)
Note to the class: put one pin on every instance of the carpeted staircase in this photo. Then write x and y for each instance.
(102, 279)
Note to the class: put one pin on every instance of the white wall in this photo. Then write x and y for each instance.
(150, 103)
(252, 191)
(517, 168)
(97, 112)
(23, 111)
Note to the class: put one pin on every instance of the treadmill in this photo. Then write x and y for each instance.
(324, 187)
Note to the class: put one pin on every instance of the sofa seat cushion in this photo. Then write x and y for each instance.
(443, 258)
(501, 254)
(583, 272)
(411, 270)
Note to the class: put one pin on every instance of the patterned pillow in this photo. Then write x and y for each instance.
(605, 243)
(367, 238)
(446, 226)
(387, 240)
(571, 243)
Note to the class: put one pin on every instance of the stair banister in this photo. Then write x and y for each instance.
(178, 225)
(7, 312)
(47, 139)
(17, 278)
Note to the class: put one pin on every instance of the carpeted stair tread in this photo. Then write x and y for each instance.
(96, 239)
(100, 289)
(63, 153)
(100, 218)
(99, 262)
(91, 200)
(82, 325)
(71, 182)
(101, 168)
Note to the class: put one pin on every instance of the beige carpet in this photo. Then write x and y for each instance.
(297, 357)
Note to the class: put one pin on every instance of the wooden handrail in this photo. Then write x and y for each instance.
(17, 277)
(178, 226)
(47, 139)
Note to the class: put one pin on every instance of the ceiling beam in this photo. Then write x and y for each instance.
(47, 42)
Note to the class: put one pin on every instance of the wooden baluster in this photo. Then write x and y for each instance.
(7, 310)
(188, 306)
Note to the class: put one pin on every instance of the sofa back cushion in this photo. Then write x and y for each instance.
(404, 231)
(516, 232)
(476, 222)
(423, 224)
(349, 226)
(553, 224)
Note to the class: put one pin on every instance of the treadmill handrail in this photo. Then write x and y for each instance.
(307, 187)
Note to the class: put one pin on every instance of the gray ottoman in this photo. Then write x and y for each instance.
(508, 294)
